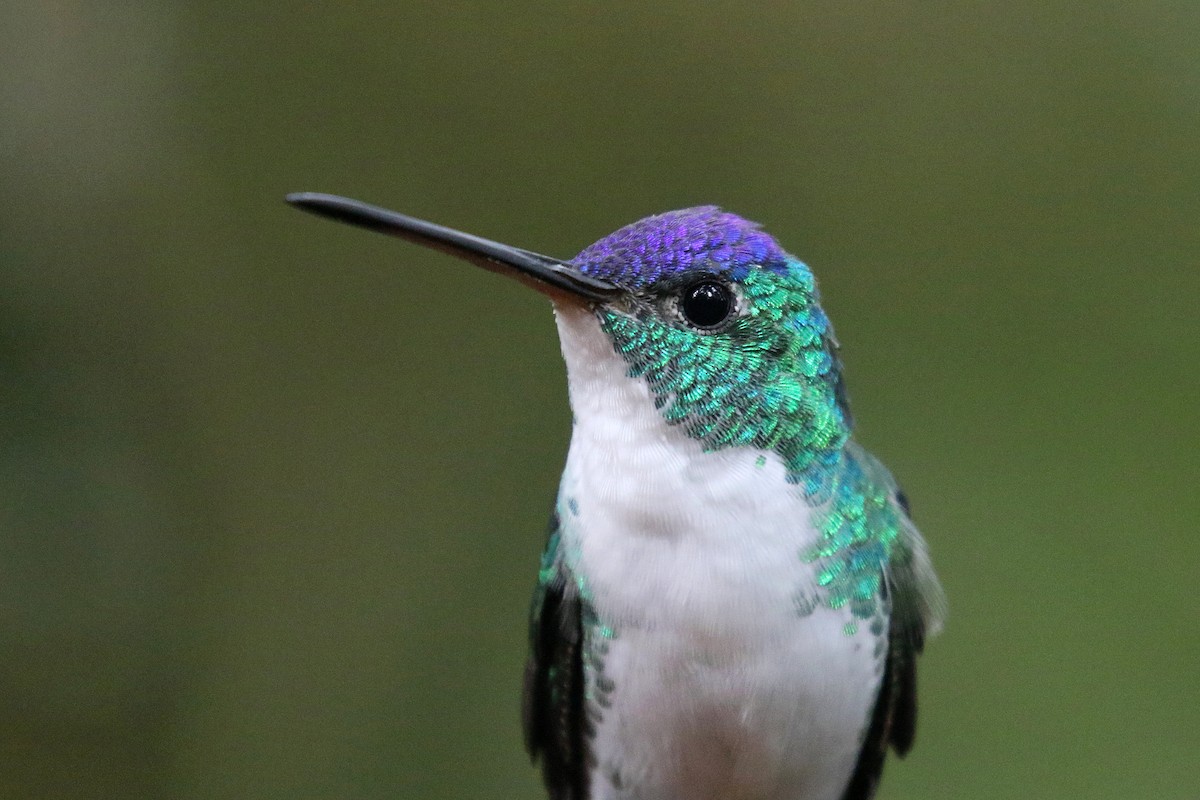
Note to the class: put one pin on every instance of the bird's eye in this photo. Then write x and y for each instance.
(706, 303)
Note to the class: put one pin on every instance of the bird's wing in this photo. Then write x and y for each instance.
(553, 708)
(917, 609)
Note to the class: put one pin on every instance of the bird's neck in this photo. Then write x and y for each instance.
(800, 424)
(632, 474)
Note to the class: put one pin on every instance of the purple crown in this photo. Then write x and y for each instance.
(704, 237)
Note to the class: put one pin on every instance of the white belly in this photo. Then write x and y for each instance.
(760, 717)
(708, 679)
(759, 728)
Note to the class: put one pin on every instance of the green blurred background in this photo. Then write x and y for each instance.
(272, 490)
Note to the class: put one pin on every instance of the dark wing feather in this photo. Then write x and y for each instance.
(894, 720)
(553, 709)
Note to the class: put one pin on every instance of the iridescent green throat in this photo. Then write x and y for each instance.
(771, 380)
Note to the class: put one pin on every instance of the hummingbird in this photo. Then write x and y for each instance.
(732, 595)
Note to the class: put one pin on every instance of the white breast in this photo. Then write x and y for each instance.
(723, 686)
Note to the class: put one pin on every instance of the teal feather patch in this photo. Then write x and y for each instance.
(771, 379)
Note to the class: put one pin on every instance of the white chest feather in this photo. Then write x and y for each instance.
(717, 683)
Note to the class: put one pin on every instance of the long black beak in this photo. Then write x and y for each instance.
(503, 258)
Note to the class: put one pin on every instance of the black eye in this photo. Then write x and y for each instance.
(707, 303)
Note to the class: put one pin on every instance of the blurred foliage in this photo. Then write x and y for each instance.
(272, 491)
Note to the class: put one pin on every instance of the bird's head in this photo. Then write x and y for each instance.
(722, 325)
